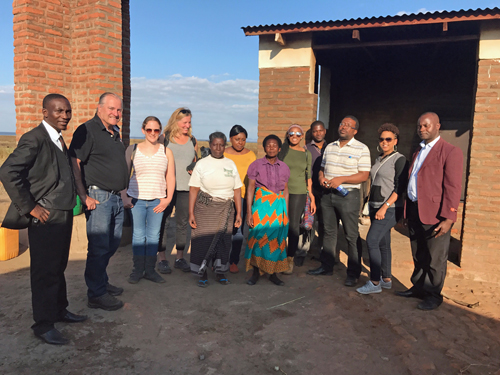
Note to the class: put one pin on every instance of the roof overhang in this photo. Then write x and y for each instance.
(402, 20)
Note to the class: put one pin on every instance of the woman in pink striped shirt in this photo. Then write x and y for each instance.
(150, 190)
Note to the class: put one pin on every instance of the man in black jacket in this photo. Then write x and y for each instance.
(39, 180)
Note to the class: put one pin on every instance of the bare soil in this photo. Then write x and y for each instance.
(312, 325)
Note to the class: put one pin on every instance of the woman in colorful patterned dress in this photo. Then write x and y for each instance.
(267, 207)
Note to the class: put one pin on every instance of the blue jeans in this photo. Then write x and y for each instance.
(146, 225)
(104, 233)
(378, 241)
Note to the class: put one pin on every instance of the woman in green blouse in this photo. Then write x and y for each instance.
(298, 160)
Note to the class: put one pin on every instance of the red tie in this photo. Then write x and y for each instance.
(63, 144)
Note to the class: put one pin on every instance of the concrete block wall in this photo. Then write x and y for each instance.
(284, 99)
(78, 48)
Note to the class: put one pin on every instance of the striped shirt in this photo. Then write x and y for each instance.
(338, 161)
(148, 181)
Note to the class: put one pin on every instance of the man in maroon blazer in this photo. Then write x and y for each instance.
(434, 190)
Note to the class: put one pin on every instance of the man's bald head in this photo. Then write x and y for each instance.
(428, 126)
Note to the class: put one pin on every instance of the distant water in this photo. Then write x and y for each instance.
(7, 133)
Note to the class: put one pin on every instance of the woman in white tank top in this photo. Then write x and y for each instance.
(150, 191)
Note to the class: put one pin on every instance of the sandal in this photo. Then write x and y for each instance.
(221, 279)
(202, 283)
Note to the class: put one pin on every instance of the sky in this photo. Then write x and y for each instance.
(194, 54)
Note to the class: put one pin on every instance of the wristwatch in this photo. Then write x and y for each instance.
(387, 204)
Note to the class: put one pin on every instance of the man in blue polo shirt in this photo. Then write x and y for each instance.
(101, 172)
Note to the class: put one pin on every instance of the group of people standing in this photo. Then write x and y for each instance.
(229, 190)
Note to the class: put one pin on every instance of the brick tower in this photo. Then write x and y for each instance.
(77, 48)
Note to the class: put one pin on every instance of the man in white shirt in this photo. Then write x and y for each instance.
(346, 162)
(39, 180)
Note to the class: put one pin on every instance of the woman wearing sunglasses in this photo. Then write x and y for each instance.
(388, 183)
(182, 143)
(150, 191)
(298, 160)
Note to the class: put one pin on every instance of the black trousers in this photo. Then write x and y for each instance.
(49, 251)
(334, 208)
(296, 205)
(430, 255)
(180, 201)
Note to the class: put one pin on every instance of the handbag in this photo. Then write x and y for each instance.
(307, 218)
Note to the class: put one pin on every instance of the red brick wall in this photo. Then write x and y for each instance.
(284, 99)
(71, 47)
(481, 230)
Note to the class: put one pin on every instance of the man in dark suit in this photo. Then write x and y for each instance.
(434, 190)
(39, 180)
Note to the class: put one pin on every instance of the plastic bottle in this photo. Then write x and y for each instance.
(342, 190)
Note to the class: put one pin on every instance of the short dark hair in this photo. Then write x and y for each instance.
(272, 136)
(389, 127)
(318, 123)
(217, 135)
(237, 129)
(356, 125)
(51, 97)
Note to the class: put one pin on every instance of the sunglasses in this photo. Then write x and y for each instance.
(298, 134)
(185, 111)
(156, 131)
(385, 139)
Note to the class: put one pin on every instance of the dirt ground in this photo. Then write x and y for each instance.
(312, 325)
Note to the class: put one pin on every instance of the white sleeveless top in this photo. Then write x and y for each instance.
(148, 180)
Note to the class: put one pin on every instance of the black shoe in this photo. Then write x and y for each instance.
(182, 265)
(69, 317)
(299, 261)
(350, 281)
(106, 302)
(274, 279)
(255, 276)
(150, 272)
(53, 337)
(113, 290)
(164, 267)
(428, 304)
(409, 293)
(320, 271)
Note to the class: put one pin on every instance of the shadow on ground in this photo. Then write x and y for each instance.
(312, 325)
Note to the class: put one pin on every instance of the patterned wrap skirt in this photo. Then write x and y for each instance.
(266, 245)
(212, 238)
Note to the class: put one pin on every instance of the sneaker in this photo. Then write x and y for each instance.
(369, 288)
(385, 284)
(182, 265)
(113, 290)
(164, 267)
(233, 268)
(105, 302)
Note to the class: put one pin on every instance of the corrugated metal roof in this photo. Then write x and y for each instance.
(398, 20)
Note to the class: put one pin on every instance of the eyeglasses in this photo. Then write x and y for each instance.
(185, 111)
(298, 134)
(344, 125)
(156, 131)
(385, 139)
